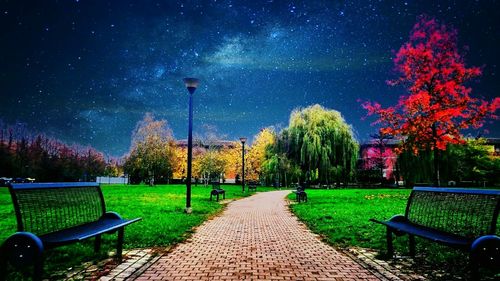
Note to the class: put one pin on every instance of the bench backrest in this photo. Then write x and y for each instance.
(215, 185)
(465, 212)
(47, 207)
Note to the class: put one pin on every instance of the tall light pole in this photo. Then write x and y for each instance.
(243, 140)
(279, 180)
(191, 85)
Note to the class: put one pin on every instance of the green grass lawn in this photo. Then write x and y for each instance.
(163, 219)
(341, 217)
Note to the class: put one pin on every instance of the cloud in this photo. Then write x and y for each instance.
(281, 49)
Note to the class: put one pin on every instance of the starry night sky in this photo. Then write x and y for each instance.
(86, 71)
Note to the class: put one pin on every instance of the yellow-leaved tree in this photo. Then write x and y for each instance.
(232, 156)
(179, 162)
(151, 152)
(256, 155)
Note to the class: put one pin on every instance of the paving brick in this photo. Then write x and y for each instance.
(256, 238)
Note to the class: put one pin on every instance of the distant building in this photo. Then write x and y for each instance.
(371, 156)
(199, 147)
(493, 145)
(219, 144)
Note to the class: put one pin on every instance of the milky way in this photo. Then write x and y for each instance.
(87, 71)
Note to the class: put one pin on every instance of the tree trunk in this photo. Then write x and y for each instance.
(381, 174)
(436, 167)
(396, 174)
(437, 181)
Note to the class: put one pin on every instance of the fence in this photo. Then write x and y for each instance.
(112, 180)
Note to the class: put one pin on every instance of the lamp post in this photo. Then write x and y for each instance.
(278, 185)
(243, 140)
(191, 85)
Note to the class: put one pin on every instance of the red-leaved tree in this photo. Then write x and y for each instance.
(439, 104)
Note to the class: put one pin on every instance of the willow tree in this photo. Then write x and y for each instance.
(322, 143)
(277, 168)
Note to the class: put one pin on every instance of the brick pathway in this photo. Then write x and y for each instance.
(256, 238)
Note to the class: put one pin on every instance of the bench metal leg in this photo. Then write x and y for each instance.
(38, 270)
(119, 246)
(474, 273)
(390, 248)
(3, 265)
(411, 238)
(301, 197)
(97, 243)
(474, 267)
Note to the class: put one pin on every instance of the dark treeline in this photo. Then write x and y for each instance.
(473, 163)
(25, 155)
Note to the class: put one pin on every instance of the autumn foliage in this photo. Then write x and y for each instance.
(256, 154)
(27, 155)
(439, 103)
(379, 158)
(152, 151)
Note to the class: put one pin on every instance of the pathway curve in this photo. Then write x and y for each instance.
(256, 238)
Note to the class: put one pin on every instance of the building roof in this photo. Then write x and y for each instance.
(199, 143)
(395, 142)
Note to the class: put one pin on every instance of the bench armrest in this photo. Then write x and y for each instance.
(486, 250)
(113, 215)
(116, 216)
(22, 249)
(396, 218)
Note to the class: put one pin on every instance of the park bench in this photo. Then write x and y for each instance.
(217, 190)
(252, 186)
(50, 215)
(465, 219)
(300, 194)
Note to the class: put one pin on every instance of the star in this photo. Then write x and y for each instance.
(98, 69)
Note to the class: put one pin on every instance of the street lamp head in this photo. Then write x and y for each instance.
(191, 84)
(243, 139)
